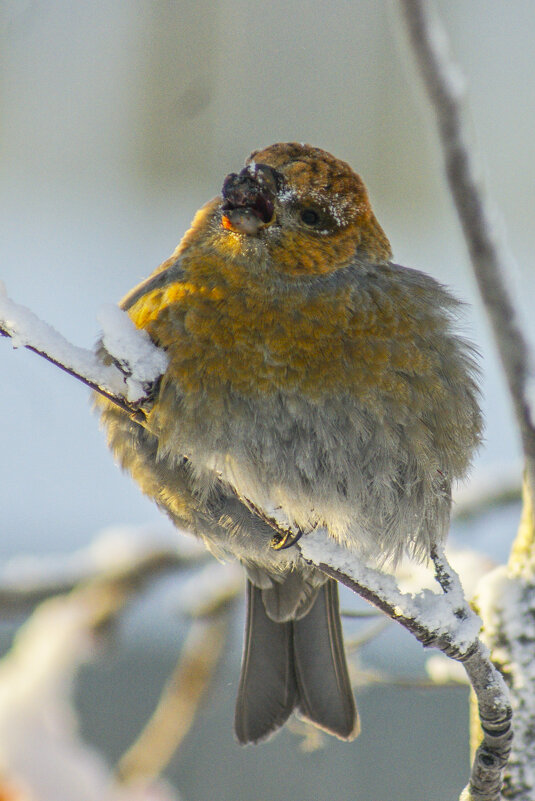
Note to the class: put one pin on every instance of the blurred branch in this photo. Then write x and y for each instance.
(41, 747)
(445, 88)
(496, 492)
(19, 596)
(53, 642)
(374, 678)
(369, 635)
(358, 614)
(179, 702)
(174, 715)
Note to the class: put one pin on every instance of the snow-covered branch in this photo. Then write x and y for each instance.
(128, 382)
(442, 620)
(506, 601)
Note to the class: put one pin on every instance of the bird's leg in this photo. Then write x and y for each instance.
(285, 539)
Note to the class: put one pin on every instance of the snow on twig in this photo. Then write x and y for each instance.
(441, 620)
(127, 383)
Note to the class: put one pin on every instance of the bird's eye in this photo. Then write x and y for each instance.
(310, 217)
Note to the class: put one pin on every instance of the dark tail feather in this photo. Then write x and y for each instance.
(268, 691)
(298, 664)
(325, 694)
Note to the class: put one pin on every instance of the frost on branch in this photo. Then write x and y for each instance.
(133, 350)
(506, 600)
(139, 363)
(443, 621)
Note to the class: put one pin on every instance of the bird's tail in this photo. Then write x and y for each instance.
(298, 664)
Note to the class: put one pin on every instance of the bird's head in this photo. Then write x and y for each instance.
(309, 209)
(293, 210)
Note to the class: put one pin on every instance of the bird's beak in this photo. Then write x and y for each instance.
(249, 199)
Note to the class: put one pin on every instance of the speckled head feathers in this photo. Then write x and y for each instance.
(309, 170)
(313, 175)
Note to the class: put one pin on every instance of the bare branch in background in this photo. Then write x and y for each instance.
(497, 486)
(445, 88)
(52, 644)
(43, 754)
(139, 558)
(178, 705)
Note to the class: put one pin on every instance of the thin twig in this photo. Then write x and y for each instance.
(488, 254)
(369, 635)
(118, 400)
(359, 614)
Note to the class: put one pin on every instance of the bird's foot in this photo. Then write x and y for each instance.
(281, 541)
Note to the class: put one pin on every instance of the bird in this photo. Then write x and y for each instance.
(312, 384)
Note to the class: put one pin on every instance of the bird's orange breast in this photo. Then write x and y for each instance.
(224, 333)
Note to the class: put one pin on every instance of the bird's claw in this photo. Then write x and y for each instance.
(279, 542)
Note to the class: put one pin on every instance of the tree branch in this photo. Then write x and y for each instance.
(445, 88)
(24, 590)
(128, 382)
(179, 702)
(505, 597)
(444, 621)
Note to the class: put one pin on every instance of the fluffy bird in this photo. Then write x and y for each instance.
(312, 382)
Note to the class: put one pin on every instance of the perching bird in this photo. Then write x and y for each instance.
(312, 383)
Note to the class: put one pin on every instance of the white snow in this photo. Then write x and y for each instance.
(27, 330)
(131, 347)
(442, 670)
(208, 588)
(437, 612)
(470, 564)
(505, 600)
